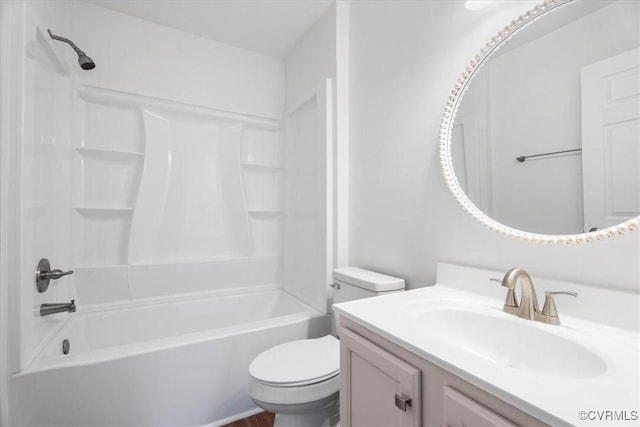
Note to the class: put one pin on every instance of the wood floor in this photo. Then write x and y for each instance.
(263, 419)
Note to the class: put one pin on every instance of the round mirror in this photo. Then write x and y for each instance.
(540, 139)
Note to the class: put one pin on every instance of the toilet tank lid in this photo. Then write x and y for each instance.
(366, 279)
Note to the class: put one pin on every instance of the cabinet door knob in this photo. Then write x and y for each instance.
(402, 402)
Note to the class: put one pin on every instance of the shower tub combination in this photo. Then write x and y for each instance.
(179, 207)
(177, 363)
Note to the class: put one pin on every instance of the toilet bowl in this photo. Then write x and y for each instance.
(300, 380)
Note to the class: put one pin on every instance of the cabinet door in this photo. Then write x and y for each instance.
(377, 388)
(461, 411)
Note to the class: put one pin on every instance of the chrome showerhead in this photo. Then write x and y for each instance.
(85, 62)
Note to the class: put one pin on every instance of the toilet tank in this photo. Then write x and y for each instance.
(351, 283)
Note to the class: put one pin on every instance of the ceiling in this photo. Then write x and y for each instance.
(271, 27)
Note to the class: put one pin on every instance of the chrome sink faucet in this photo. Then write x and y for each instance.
(528, 307)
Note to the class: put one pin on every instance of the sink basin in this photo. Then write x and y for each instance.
(506, 340)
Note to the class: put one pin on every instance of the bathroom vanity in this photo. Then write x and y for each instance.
(448, 355)
(385, 384)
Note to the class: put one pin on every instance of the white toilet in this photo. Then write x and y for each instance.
(299, 380)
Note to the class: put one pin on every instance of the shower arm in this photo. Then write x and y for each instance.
(63, 39)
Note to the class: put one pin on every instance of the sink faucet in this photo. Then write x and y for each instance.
(528, 307)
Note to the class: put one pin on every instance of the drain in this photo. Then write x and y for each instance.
(66, 345)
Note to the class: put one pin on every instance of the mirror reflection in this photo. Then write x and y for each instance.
(547, 136)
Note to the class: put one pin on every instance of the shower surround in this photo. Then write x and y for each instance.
(169, 186)
(178, 158)
(193, 205)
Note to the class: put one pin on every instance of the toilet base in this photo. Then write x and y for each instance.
(323, 413)
(304, 420)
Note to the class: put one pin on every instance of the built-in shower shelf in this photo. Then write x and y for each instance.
(261, 167)
(108, 154)
(103, 209)
(265, 212)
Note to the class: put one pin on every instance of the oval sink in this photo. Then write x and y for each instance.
(507, 340)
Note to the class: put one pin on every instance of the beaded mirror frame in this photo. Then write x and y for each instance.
(445, 134)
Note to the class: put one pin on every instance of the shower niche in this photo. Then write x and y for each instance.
(161, 182)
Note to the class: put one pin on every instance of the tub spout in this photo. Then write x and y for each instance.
(47, 309)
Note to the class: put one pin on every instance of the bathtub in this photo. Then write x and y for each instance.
(179, 363)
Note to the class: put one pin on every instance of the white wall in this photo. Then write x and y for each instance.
(133, 55)
(405, 58)
(308, 152)
(311, 60)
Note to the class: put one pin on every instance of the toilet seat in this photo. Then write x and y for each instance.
(296, 373)
(293, 395)
(298, 363)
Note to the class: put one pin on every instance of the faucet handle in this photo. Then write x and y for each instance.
(550, 293)
(510, 301)
(549, 312)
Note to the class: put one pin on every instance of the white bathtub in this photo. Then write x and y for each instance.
(173, 364)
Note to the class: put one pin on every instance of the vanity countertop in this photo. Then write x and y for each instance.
(571, 373)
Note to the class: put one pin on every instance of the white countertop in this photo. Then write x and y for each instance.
(553, 397)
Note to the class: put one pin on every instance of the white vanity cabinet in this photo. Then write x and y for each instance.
(380, 388)
(461, 411)
(383, 384)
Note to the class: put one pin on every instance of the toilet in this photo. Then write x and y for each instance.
(299, 380)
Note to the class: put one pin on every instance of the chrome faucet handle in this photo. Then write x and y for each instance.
(549, 312)
(44, 274)
(510, 301)
(54, 274)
